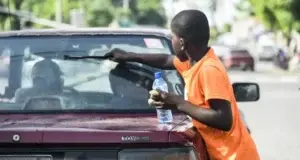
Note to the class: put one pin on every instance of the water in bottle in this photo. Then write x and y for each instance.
(163, 116)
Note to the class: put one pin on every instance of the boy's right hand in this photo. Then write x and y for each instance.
(118, 55)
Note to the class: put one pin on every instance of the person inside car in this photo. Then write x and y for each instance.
(209, 99)
(46, 80)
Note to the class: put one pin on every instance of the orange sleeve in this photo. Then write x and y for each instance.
(180, 66)
(214, 83)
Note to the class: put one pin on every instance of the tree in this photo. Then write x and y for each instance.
(11, 22)
(227, 28)
(295, 9)
(277, 15)
(151, 17)
(100, 13)
(150, 12)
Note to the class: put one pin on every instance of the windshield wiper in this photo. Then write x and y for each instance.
(67, 57)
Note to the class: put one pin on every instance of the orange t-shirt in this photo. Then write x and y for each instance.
(208, 79)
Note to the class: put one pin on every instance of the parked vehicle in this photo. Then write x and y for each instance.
(239, 58)
(281, 60)
(101, 113)
(267, 52)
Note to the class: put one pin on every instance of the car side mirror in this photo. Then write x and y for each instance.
(246, 92)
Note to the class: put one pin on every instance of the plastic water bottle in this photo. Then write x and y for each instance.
(163, 116)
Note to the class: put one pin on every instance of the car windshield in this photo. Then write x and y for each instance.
(269, 48)
(35, 75)
(239, 52)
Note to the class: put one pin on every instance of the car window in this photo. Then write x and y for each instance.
(240, 52)
(268, 48)
(43, 73)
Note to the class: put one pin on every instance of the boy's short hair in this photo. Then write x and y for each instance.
(192, 25)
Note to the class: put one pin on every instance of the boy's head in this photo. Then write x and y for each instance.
(190, 28)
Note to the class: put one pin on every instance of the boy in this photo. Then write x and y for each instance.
(209, 96)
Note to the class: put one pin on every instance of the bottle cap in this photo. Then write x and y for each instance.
(157, 75)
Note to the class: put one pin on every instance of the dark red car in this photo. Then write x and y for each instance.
(237, 58)
(101, 112)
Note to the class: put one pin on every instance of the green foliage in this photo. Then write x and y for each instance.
(144, 5)
(227, 28)
(213, 34)
(97, 12)
(151, 17)
(150, 12)
(295, 9)
(278, 15)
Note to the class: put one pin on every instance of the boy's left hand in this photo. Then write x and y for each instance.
(163, 100)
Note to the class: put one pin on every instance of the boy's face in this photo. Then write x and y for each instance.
(179, 48)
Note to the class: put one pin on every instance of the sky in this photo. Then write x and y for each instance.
(224, 14)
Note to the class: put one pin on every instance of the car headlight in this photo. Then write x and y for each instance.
(158, 154)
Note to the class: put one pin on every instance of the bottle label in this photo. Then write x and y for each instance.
(161, 88)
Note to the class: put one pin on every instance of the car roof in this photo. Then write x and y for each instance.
(88, 31)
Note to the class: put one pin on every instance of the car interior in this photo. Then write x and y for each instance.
(102, 87)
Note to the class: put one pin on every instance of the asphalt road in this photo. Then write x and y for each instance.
(274, 119)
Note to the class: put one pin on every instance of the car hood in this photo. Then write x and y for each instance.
(89, 128)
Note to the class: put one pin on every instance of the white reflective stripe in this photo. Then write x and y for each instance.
(185, 94)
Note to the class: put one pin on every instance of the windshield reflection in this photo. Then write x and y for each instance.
(39, 78)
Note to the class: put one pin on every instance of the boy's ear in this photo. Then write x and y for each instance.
(182, 44)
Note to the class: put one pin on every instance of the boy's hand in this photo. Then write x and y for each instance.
(163, 100)
(118, 55)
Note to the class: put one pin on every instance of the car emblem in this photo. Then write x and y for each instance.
(16, 138)
(135, 138)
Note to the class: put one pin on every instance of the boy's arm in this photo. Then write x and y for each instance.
(163, 61)
(218, 116)
(160, 60)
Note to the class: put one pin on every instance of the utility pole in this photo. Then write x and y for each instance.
(77, 17)
(125, 4)
(58, 15)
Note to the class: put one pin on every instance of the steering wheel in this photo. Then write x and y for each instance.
(71, 91)
(75, 96)
(44, 103)
(70, 98)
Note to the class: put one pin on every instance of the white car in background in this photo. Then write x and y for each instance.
(267, 52)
